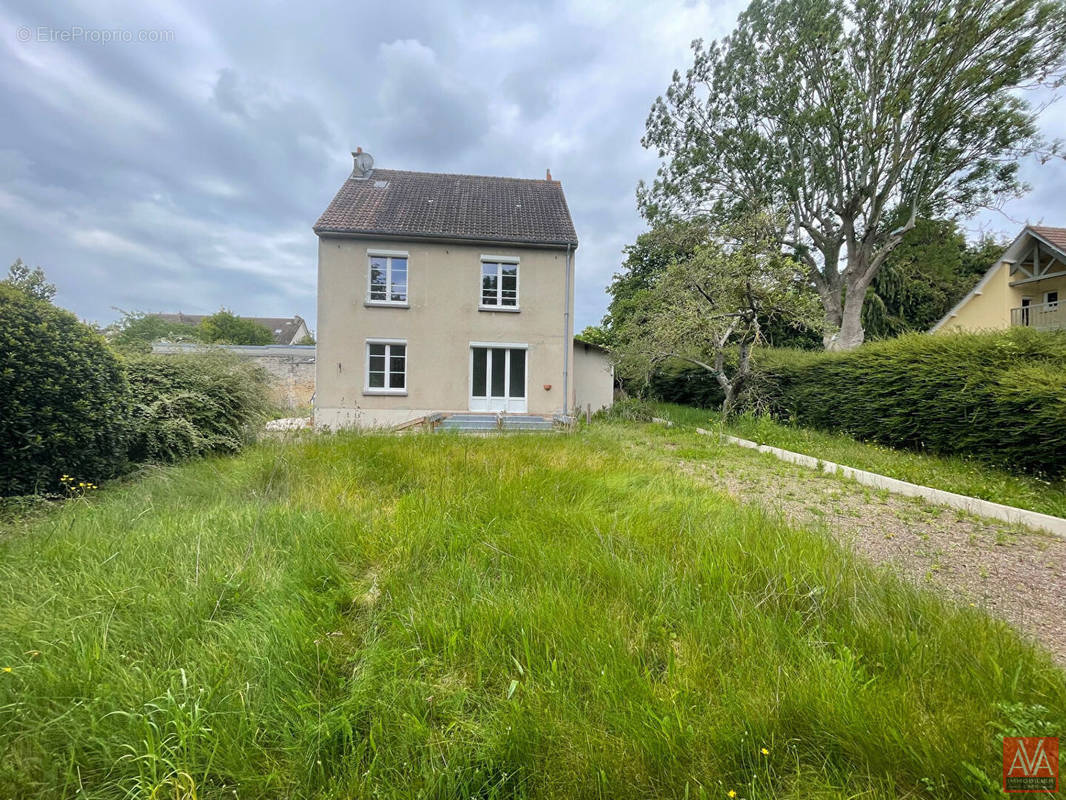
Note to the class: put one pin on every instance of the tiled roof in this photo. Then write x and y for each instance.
(391, 202)
(1055, 236)
(283, 328)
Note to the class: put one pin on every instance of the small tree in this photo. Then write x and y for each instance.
(136, 332)
(30, 281)
(225, 327)
(714, 304)
(645, 261)
(595, 334)
(843, 113)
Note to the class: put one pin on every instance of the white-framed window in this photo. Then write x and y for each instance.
(386, 278)
(386, 366)
(1052, 300)
(499, 283)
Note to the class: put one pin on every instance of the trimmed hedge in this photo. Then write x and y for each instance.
(63, 398)
(188, 406)
(1000, 397)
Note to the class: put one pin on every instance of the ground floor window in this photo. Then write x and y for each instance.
(386, 366)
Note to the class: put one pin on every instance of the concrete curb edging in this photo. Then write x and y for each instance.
(971, 505)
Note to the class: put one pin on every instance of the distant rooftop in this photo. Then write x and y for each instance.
(395, 203)
(283, 328)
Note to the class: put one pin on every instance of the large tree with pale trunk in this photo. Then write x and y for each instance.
(852, 117)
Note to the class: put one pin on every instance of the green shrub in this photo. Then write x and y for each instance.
(191, 405)
(1000, 397)
(629, 409)
(64, 402)
(679, 382)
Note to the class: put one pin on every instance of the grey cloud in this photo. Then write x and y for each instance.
(424, 110)
(188, 174)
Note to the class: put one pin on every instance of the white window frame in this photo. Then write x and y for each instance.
(1048, 302)
(388, 255)
(521, 405)
(499, 261)
(385, 390)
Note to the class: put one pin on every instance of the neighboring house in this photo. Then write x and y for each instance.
(445, 293)
(286, 330)
(1023, 288)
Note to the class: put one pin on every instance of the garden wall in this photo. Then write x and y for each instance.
(291, 367)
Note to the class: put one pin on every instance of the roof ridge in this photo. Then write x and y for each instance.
(457, 175)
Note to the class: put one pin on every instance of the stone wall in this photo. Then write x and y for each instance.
(291, 367)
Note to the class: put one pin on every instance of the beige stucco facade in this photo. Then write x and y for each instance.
(440, 324)
(593, 378)
(1013, 282)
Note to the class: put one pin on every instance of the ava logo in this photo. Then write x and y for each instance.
(1030, 764)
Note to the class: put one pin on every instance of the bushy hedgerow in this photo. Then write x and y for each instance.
(680, 382)
(188, 406)
(999, 396)
(63, 398)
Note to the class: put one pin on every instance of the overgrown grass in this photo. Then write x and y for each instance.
(950, 473)
(439, 616)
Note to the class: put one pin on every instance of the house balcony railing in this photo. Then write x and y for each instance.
(1042, 316)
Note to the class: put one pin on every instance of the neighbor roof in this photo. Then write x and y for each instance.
(395, 203)
(1053, 236)
(283, 328)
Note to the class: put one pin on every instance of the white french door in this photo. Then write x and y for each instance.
(498, 378)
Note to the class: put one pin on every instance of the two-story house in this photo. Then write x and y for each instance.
(448, 293)
(1025, 287)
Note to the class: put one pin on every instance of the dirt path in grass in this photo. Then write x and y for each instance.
(1016, 574)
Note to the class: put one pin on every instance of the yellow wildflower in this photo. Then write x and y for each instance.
(765, 752)
(731, 793)
(8, 669)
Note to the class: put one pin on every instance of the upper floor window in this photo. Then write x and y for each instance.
(499, 283)
(388, 278)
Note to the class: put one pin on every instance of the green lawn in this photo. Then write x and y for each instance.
(953, 474)
(449, 617)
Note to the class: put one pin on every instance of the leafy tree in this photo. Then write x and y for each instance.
(706, 306)
(136, 331)
(928, 273)
(306, 339)
(30, 281)
(225, 327)
(645, 262)
(840, 113)
(596, 334)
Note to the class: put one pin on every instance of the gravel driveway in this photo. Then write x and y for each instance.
(1017, 574)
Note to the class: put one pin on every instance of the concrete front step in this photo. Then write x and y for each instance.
(490, 422)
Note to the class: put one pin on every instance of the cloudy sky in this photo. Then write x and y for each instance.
(185, 171)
